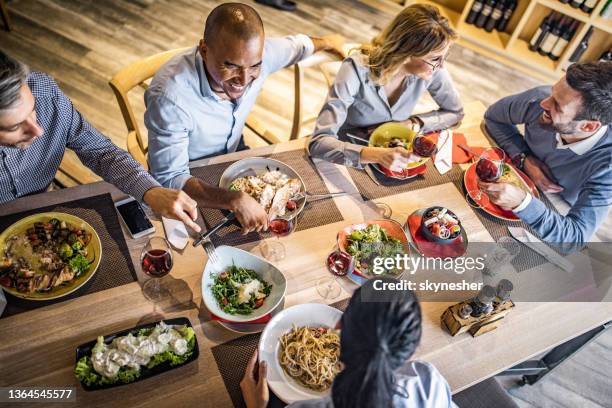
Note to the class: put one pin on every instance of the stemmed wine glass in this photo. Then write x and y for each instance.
(156, 261)
(338, 263)
(489, 168)
(274, 250)
(424, 146)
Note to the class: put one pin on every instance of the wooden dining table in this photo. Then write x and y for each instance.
(37, 348)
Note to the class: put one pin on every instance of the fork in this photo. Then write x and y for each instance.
(209, 248)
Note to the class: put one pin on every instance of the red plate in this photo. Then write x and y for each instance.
(433, 249)
(404, 174)
(470, 181)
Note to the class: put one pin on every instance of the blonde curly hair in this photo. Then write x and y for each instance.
(416, 31)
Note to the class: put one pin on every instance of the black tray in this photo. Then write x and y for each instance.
(145, 372)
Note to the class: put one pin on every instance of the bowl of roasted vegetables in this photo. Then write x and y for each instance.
(441, 225)
(48, 255)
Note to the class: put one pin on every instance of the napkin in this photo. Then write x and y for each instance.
(444, 157)
(459, 155)
(176, 233)
(2, 302)
(262, 319)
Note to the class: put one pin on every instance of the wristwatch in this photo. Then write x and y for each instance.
(519, 160)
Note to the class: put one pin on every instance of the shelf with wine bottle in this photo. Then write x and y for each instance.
(480, 29)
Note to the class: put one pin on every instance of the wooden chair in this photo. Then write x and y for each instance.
(5, 16)
(122, 83)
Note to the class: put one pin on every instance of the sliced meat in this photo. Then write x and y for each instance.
(266, 196)
(280, 202)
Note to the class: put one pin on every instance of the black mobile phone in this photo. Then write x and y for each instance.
(133, 216)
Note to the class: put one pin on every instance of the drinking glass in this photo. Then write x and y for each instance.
(274, 250)
(339, 264)
(156, 261)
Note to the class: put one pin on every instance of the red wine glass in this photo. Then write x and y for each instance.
(274, 250)
(156, 261)
(424, 146)
(490, 166)
(339, 264)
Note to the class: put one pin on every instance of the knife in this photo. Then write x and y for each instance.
(531, 241)
(370, 173)
(203, 236)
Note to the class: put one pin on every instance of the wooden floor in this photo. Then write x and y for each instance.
(82, 43)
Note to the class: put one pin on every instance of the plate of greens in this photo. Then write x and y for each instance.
(241, 287)
(135, 354)
(367, 241)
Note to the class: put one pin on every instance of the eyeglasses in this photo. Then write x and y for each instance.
(436, 62)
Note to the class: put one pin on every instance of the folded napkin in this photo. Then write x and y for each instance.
(444, 158)
(176, 233)
(261, 320)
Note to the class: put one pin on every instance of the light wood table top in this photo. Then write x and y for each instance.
(37, 347)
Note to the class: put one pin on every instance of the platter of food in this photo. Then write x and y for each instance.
(241, 287)
(48, 255)
(135, 354)
(272, 183)
(436, 232)
(366, 241)
(302, 347)
(509, 174)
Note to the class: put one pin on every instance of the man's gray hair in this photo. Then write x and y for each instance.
(13, 75)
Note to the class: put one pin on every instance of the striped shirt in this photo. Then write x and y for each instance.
(30, 170)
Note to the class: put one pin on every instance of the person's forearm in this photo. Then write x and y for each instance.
(439, 119)
(210, 196)
(505, 133)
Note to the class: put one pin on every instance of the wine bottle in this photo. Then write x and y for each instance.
(496, 16)
(474, 11)
(588, 6)
(564, 1)
(503, 22)
(606, 56)
(551, 38)
(541, 32)
(581, 47)
(607, 10)
(576, 3)
(566, 35)
(487, 9)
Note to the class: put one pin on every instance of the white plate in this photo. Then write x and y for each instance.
(235, 256)
(307, 314)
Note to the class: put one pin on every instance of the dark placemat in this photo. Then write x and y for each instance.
(116, 268)
(232, 358)
(389, 186)
(315, 214)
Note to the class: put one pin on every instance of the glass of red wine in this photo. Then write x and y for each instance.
(424, 146)
(339, 264)
(489, 168)
(156, 261)
(280, 226)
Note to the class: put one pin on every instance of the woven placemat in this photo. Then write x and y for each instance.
(315, 214)
(389, 186)
(116, 268)
(232, 358)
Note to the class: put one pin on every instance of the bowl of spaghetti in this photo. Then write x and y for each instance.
(302, 349)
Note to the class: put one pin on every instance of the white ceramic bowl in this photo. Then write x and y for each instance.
(234, 256)
(307, 314)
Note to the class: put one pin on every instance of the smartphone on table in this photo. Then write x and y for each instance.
(134, 218)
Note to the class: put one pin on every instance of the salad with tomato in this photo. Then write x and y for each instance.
(240, 290)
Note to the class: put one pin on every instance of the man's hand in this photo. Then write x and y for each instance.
(173, 204)
(333, 43)
(255, 392)
(506, 195)
(251, 215)
(541, 175)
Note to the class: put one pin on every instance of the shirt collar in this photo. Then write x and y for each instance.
(205, 88)
(582, 146)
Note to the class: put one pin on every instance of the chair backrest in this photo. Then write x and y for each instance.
(323, 62)
(124, 81)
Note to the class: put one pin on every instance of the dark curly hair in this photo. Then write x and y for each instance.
(593, 80)
(380, 331)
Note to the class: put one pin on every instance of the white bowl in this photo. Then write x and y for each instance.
(307, 314)
(229, 256)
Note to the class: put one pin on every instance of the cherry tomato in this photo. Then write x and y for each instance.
(291, 205)
(258, 303)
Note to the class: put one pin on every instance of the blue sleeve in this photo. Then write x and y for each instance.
(100, 154)
(169, 127)
(283, 52)
(502, 117)
(573, 231)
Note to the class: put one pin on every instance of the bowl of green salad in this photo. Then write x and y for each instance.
(241, 287)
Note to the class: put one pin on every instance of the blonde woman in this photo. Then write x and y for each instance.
(382, 82)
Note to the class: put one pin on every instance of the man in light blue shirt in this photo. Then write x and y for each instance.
(198, 102)
(566, 148)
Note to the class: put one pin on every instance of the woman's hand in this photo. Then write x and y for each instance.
(393, 158)
(255, 392)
